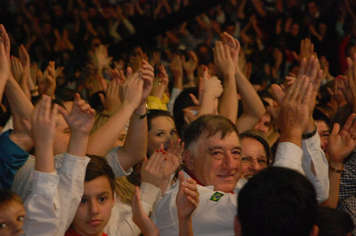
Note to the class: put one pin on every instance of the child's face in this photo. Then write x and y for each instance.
(95, 208)
(11, 219)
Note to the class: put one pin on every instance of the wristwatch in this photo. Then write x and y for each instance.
(138, 116)
(311, 134)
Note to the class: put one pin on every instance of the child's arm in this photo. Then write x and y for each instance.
(42, 206)
(72, 172)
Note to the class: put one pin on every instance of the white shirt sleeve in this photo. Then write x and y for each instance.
(43, 205)
(289, 156)
(114, 163)
(315, 157)
(121, 223)
(55, 198)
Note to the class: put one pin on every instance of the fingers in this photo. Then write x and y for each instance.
(349, 122)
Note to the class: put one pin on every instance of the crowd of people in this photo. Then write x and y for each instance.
(239, 121)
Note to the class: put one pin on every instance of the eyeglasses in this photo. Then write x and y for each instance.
(247, 159)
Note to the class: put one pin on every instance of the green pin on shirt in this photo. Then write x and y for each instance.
(216, 196)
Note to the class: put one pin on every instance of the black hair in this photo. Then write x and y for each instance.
(319, 115)
(183, 101)
(156, 113)
(276, 202)
(333, 222)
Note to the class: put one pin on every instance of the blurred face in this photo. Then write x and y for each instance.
(94, 210)
(215, 161)
(163, 130)
(312, 8)
(254, 157)
(294, 30)
(63, 132)
(264, 124)
(324, 133)
(11, 219)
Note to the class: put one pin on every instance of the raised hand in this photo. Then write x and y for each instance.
(140, 218)
(161, 83)
(43, 133)
(306, 50)
(4, 65)
(147, 76)
(47, 85)
(81, 119)
(44, 122)
(187, 198)
(176, 66)
(102, 57)
(234, 46)
(342, 143)
(112, 100)
(223, 59)
(174, 158)
(293, 113)
(16, 68)
(131, 92)
(349, 89)
(152, 169)
(190, 65)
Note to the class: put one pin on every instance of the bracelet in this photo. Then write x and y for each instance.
(339, 171)
(138, 116)
(311, 134)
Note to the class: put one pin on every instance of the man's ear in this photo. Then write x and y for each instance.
(315, 231)
(188, 159)
(237, 226)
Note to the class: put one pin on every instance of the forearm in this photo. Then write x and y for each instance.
(251, 102)
(103, 139)
(228, 101)
(18, 101)
(185, 227)
(78, 144)
(334, 179)
(44, 157)
(206, 106)
(135, 147)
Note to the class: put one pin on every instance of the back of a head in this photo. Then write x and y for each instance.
(277, 202)
(333, 222)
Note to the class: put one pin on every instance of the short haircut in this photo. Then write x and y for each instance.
(7, 197)
(261, 138)
(319, 115)
(97, 167)
(333, 222)
(276, 202)
(212, 124)
(156, 113)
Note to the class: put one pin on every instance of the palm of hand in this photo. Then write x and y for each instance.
(80, 121)
(340, 146)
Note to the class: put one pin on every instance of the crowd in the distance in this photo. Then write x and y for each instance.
(239, 121)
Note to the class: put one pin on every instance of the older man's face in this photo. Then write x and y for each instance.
(215, 161)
